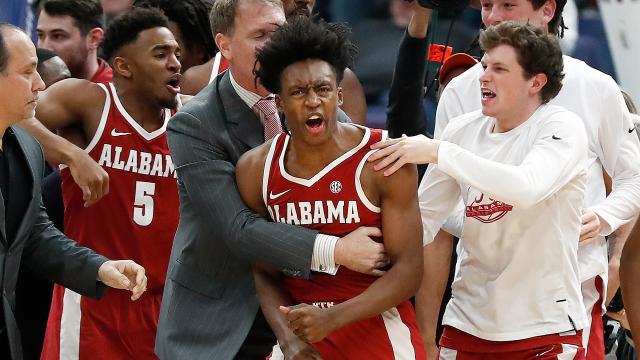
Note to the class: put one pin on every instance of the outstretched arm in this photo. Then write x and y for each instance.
(562, 140)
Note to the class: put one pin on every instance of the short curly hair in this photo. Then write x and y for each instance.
(299, 40)
(537, 52)
(125, 28)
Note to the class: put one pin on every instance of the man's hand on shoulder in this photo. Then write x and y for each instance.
(359, 252)
(92, 179)
(125, 275)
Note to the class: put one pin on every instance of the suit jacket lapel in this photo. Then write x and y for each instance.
(3, 219)
(33, 157)
(242, 122)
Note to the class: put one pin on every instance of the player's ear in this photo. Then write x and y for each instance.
(340, 96)
(121, 66)
(278, 102)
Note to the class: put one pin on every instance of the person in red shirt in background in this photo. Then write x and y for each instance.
(72, 28)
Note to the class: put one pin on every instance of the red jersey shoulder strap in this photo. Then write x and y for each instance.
(103, 118)
(271, 163)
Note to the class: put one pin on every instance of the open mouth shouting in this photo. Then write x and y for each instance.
(315, 123)
(173, 84)
(487, 95)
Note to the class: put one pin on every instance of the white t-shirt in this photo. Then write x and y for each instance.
(596, 99)
(523, 191)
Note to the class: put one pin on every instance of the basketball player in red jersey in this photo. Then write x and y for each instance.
(121, 125)
(317, 176)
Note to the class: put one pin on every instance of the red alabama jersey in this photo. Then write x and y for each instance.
(333, 202)
(138, 218)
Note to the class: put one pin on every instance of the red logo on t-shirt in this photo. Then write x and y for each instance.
(487, 210)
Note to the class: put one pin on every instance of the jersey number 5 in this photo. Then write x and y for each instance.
(143, 204)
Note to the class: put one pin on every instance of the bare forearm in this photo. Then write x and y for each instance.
(616, 242)
(56, 149)
(398, 284)
(271, 293)
(437, 261)
(629, 273)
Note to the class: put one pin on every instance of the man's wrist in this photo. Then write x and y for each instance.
(324, 250)
(69, 154)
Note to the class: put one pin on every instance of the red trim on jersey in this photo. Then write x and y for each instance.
(595, 347)
(455, 339)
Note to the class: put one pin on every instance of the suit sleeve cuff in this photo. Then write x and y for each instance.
(322, 259)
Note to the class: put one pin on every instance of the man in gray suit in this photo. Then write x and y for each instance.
(209, 302)
(26, 234)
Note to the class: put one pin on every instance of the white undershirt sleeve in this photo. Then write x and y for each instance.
(322, 258)
(557, 155)
(620, 157)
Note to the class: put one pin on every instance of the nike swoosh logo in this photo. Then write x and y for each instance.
(631, 130)
(555, 137)
(273, 196)
(116, 133)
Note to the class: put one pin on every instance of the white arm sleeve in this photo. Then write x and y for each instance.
(557, 155)
(620, 156)
(438, 195)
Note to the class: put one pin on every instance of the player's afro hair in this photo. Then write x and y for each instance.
(299, 40)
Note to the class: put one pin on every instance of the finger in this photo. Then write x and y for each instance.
(388, 159)
(140, 275)
(380, 264)
(377, 272)
(381, 154)
(141, 284)
(86, 194)
(296, 312)
(95, 194)
(396, 166)
(371, 231)
(118, 279)
(385, 143)
(587, 228)
(284, 310)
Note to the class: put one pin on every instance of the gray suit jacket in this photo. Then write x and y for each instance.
(42, 247)
(209, 300)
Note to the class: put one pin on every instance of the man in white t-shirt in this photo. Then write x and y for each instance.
(519, 166)
(613, 146)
